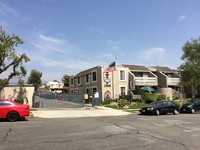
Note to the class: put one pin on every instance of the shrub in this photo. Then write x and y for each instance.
(161, 96)
(179, 103)
(108, 101)
(123, 102)
(126, 97)
(136, 100)
(150, 97)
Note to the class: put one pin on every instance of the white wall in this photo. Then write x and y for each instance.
(8, 93)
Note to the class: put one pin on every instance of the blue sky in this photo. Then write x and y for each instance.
(68, 36)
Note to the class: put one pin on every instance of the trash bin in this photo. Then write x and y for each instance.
(37, 104)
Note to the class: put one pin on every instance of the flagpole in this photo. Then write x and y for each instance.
(113, 84)
(113, 80)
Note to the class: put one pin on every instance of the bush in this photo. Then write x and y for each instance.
(150, 97)
(108, 101)
(126, 97)
(123, 102)
(161, 96)
(179, 103)
(136, 100)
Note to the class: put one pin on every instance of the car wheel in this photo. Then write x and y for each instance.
(193, 111)
(157, 112)
(12, 116)
(175, 112)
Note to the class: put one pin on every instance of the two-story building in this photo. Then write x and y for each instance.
(126, 79)
(56, 86)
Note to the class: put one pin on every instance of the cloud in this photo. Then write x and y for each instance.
(53, 53)
(97, 29)
(153, 54)
(182, 17)
(6, 10)
(49, 44)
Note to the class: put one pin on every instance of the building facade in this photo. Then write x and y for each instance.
(125, 80)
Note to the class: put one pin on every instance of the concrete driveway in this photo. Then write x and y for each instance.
(98, 111)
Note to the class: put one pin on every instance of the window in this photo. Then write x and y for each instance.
(87, 78)
(88, 91)
(72, 81)
(123, 90)
(4, 103)
(138, 74)
(94, 76)
(94, 89)
(122, 75)
(76, 90)
(78, 80)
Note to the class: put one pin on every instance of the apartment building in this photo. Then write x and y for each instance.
(125, 80)
(56, 86)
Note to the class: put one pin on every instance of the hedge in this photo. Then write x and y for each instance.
(150, 97)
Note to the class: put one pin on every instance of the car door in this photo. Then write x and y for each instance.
(164, 107)
(171, 106)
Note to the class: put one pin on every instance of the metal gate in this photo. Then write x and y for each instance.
(55, 100)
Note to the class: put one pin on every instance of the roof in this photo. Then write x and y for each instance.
(163, 69)
(136, 67)
(86, 71)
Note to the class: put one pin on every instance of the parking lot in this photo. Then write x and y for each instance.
(132, 131)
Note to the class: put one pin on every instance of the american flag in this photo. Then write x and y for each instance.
(110, 68)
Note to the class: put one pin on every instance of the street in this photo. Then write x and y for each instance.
(166, 132)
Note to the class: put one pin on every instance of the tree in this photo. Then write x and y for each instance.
(35, 79)
(10, 60)
(21, 93)
(191, 67)
(65, 80)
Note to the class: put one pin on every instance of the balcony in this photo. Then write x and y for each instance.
(173, 81)
(141, 81)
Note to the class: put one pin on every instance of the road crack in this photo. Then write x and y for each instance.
(6, 135)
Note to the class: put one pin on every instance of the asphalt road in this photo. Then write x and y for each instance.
(131, 132)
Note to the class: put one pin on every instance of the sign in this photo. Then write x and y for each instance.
(96, 95)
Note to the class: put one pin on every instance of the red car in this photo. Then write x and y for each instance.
(12, 111)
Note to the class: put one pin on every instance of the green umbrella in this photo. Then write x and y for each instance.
(147, 88)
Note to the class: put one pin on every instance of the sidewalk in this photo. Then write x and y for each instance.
(98, 111)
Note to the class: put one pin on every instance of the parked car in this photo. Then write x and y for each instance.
(191, 106)
(12, 111)
(160, 107)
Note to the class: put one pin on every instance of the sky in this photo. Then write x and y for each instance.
(69, 36)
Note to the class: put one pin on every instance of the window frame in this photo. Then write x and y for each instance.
(72, 81)
(121, 75)
(87, 78)
(95, 71)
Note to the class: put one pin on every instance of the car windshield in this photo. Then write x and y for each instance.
(189, 102)
(157, 103)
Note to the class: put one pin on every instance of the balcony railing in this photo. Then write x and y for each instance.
(145, 81)
(173, 81)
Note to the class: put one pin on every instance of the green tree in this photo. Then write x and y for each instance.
(2, 81)
(35, 79)
(11, 61)
(21, 93)
(191, 67)
(65, 80)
